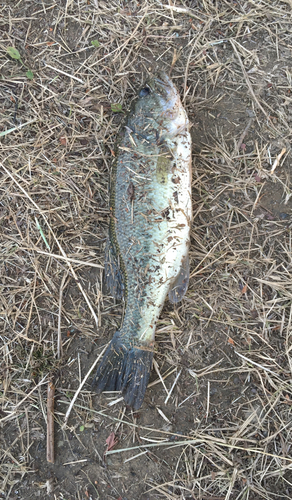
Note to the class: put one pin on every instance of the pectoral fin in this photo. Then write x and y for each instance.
(181, 282)
(113, 275)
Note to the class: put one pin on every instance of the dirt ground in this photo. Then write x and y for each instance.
(216, 420)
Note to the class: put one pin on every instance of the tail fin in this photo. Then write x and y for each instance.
(124, 368)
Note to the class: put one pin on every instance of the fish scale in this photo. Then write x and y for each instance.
(151, 214)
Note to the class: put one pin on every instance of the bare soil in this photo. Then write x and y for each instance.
(216, 420)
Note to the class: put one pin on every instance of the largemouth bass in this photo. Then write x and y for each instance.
(149, 234)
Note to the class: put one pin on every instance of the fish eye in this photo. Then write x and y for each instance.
(145, 91)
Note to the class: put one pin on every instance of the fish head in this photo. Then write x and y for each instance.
(160, 101)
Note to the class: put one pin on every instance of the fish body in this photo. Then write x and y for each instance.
(149, 236)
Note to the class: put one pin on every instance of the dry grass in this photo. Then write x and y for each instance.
(216, 421)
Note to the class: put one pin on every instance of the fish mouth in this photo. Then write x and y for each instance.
(161, 84)
(162, 78)
(162, 103)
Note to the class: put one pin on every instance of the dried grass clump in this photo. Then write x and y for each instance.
(216, 422)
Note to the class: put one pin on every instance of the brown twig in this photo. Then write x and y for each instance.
(50, 423)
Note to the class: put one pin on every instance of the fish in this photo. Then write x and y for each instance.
(147, 253)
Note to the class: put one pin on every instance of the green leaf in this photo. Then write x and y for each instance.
(8, 131)
(95, 43)
(116, 107)
(42, 234)
(81, 428)
(29, 74)
(13, 52)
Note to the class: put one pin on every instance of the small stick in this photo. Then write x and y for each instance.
(81, 385)
(159, 375)
(277, 160)
(172, 387)
(256, 364)
(164, 376)
(50, 422)
(241, 138)
(162, 415)
(180, 10)
(31, 306)
(208, 401)
(64, 73)
(59, 346)
(67, 259)
(77, 461)
(248, 80)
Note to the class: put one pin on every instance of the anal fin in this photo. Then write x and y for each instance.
(180, 285)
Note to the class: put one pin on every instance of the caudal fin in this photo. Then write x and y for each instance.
(124, 368)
